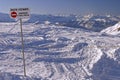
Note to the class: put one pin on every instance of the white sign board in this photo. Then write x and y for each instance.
(20, 13)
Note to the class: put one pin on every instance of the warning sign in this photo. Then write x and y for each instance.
(20, 13)
(13, 14)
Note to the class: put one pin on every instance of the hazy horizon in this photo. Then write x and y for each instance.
(80, 7)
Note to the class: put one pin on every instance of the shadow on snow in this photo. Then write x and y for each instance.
(58, 60)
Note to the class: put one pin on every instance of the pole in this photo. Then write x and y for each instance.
(23, 48)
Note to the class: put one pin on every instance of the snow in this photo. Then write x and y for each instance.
(58, 53)
(113, 30)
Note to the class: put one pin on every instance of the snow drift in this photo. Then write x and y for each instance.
(58, 53)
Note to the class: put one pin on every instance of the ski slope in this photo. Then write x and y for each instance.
(58, 53)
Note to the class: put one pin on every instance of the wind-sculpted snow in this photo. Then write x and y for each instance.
(9, 76)
(106, 69)
(58, 53)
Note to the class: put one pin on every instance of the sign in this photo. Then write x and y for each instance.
(20, 13)
(13, 14)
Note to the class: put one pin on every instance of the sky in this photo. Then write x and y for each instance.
(63, 6)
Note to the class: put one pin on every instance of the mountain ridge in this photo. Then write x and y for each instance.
(90, 22)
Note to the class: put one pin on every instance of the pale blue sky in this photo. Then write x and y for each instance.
(63, 6)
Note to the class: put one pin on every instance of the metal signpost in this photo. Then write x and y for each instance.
(21, 14)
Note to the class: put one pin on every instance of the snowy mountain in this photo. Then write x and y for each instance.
(90, 22)
(97, 22)
(55, 52)
(113, 30)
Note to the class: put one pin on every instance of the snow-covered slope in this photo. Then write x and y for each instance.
(113, 30)
(58, 53)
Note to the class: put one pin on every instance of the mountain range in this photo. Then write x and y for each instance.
(90, 22)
